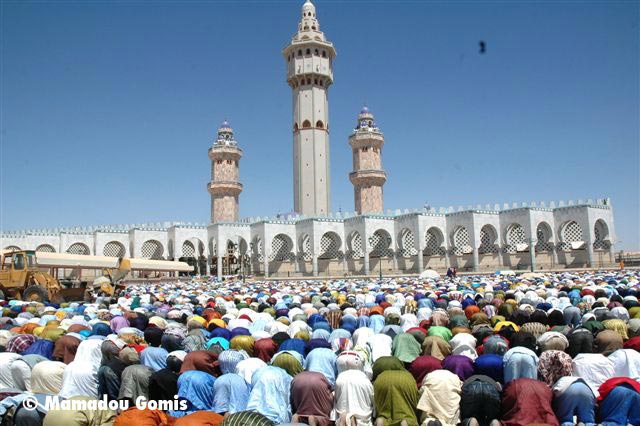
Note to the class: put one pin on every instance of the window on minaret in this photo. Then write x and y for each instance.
(319, 124)
(306, 124)
(308, 51)
(300, 52)
(324, 53)
(315, 52)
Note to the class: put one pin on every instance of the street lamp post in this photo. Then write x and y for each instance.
(379, 257)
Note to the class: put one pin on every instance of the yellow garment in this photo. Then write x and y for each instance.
(218, 322)
(199, 320)
(440, 398)
(501, 324)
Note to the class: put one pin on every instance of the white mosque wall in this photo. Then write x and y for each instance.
(571, 235)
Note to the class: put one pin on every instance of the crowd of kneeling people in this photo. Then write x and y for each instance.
(557, 349)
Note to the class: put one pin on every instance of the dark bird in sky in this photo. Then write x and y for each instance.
(483, 47)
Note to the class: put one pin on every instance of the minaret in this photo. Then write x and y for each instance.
(367, 177)
(225, 186)
(309, 73)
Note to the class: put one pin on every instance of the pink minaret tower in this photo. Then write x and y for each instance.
(367, 176)
(225, 186)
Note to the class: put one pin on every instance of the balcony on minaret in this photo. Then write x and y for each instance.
(374, 177)
(224, 187)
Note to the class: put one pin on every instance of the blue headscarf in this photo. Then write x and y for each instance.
(349, 323)
(323, 360)
(154, 358)
(231, 394)
(270, 394)
(220, 332)
(297, 345)
(221, 341)
(229, 359)
(377, 323)
(322, 325)
(100, 329)
(196, 387)
(315, 318)
(490, 365)
(41, 347)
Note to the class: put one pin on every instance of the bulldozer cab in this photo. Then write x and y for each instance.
(16, 266)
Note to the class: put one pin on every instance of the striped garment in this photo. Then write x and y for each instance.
(246, 418)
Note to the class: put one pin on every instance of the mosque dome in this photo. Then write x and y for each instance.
(364, 110)
(225, 125)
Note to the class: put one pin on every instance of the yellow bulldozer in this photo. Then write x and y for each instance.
(31, 275)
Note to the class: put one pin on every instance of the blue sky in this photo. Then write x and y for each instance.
(108, 108)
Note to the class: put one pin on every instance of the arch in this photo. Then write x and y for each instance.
(515, 237)
(320, 124)
(570, 232)
(601, 239)
(460, 241)
(79, 248)
(13, 248)
(114, 249)
(45, 248)
(407, 243)
(381, 244)
(304, 243)
(295, 127)
(488, 239)
(355, 250)
(152, 249)
(243, 247)
(543, 235)
(306, 124)
(188, 250)
(330, 245)
(281, 248)
(433, 242)
(236, 246)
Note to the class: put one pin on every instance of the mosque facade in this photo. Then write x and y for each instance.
(315, 242)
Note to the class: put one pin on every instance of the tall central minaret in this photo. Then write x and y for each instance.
(309, 73)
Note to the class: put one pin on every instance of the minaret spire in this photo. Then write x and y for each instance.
(368, 176)
(225, 186)
(309, 59)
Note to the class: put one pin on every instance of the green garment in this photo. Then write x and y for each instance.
(406, 348)
(135, 303)
(243, 343)
(506, 309)
(386, 363)
(459, 321)
(593, 326)
(52, 334)
(440, 331)
(634, 312)
(288, 363)
(395, 394)
(496, 319)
